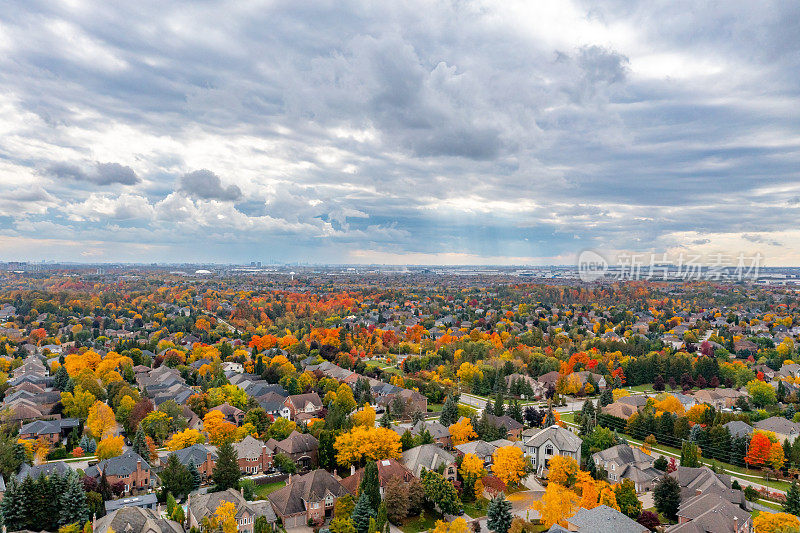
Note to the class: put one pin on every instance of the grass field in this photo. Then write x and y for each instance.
(262, 491)
(424, 522)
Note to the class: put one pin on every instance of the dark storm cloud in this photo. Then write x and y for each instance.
(207, 185)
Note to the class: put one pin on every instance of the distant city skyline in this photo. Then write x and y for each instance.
(413, 133)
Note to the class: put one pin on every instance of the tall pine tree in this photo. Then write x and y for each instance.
(370, 485)
(226, 472)
(449, 414)
(792, 504)
(72, 502)
(140, 444)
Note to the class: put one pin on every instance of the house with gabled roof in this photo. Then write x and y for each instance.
(203, 457)
(625, 462)
(387, 469)
(310, 497)
(549, 442)
(129, 468)
(430, 457)
(135, 520)
(200, 506)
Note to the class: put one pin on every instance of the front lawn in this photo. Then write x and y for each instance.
(425, 521)
(262, 491)
(476, 509)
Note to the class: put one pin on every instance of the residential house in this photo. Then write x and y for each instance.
(550, 441)
(60, 467)
(232, 414)
(253, 455)
(439, 433)
(303, 407)
(737, 428)
(600, 519)
(203, 457)
(480, 448)
(302, 448)
(310, 497)
(387, 469)
(135, 520)
(512, 428)
(52, 431)
(128, 468)
(710, 513)
(619, 409)
(430, 457)
(200, 506)
(703, 480)
(625, 462)
(782, 428)
(145, 501)
(274, 404)
(718, 398)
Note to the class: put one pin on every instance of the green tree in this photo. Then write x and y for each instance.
(761, 394)
(342, 525)
(284, 463)
(175, 478)
(194, 475)
(226, 472)
(690, 454)
(792, 503)
(627, 500)
(499, 514)
(362, 513)
(61, 379)
(667, 496)
(449, 414)
(370, 485)
(140, 443)
(326, 455)
(396, 499)
(440, 492)
(72, 502)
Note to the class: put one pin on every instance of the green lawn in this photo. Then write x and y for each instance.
(423, 522)
(476, 509)
(263, 490)
(646, 387)
(379, 364)
(435, 407)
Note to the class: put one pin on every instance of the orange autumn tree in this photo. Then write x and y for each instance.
(557, 505)
(364, 417)
(508, 464)
(219, 430)
(758, 452)
(462, 432)
(776, 523)
(776, 456)
(588, 488)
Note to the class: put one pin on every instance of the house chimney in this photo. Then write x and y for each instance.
(94, 520)
(241, 491)
(289, 480)
(736, 524)
(352, 469)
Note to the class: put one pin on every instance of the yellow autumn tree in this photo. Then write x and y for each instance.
(223, 519)
(563, 470)
(109, 447)
(608, 497)
(77, 403)
(101, 421)
(462, 432)
(369, 443)
(184, 439)
(557, 505)
(459, 525)
(670, 404)
(776, 523)
(219, 430)
(364, 417)
(508, 464)
(619, 393)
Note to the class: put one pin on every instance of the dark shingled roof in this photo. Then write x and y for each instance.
(310, 487)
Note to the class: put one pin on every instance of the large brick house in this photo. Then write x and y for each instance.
(310, 497)
(50, 430)
(302, 448)
(253, 455)
(202, 505)
(129, 468)
(303, 406)
(387, 469)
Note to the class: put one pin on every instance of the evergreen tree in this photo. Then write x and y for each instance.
(606, 398)
(550, 419)
(449, 414)
(362, 513)
(792, 504)
(499, 514)
(140, 444)
(88, 445)
(515, 411)
(499, 404)
(326, 455)
(61, 378)
(407, 440)
(370, 485)
(72, 502)
(627, 500)
(386, 420)
(12, 507)
(194, 475)
(175, 478)
(690, 455)
(667, 496)
(382, 520)
(226, 472)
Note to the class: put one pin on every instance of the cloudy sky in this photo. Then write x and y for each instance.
(398, 132)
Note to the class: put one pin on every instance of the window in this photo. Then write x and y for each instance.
(548, 450)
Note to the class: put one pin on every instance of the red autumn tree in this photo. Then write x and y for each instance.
(758, 454)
